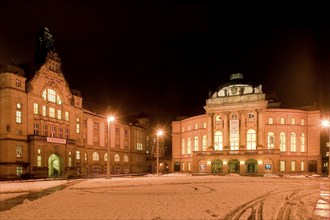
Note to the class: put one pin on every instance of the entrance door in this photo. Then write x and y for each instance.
(54, 166)
(216, 166)
(251, 166)
(233, 166)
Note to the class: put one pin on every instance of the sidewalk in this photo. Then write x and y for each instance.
(322, 209)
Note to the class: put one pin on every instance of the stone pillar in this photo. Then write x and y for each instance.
(226, 129)
(260, 128)
(210, 129)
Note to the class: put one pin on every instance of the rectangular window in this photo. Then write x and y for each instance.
(78, 155)
(39, 161)
(270, 121)
(282, 121)
(78, 126)
(66, 133)
(293, 121)
(44, 110)
(19, 151)
(282, 165)
(36, 129)
(19, 170)
(96, 125)
(36, 108)
(188, 127)
(52, 131)
(196, 126)
(67, 116)
(204, 125)
(18, 116)
(302, 121)
(51, 112)
(45, 130)
(188, 166)
(59, 114)
(183, 168)
(60, 132)
(18, 83)
(293, 165)
(302, 165)
(51, 95)
(69, 162)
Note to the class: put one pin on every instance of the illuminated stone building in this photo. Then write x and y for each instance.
(242, 132)
(46, 132)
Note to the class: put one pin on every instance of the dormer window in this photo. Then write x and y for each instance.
(51, 96)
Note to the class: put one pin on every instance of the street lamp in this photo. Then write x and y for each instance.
(159, 133)
(109, 120)
(326, 124)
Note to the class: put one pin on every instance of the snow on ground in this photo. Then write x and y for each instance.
(177, 197)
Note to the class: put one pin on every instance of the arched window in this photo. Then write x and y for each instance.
(196, 144)
(302, 142)
(86, 157)
(125, 158)
(189, 146)
(96, 156)
(251, 140)
(117, 158)
(204, 143)
(218, 140)
(51, 96)
(183, 147)
(270, 140)
(293, 142)
(282, 142)
(105, 157)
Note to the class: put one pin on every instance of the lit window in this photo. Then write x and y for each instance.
(105, 157)
(218, 140)
(282, 142)
(59, 114)
(282, 121)
(182, 129)
(183, 168)
(217, 118)
(183, 147)
(125, 158)
(293, 142)
(293, 121)
(51, 95)
(44, 111)
(302, 121)
(204, 143)
(18, 113)
(51, 112)
(69, 161)
(188, 165)
(251, 140)
(38, 161)
(188, 127)
(189, 146)
(78, 155)
(96, 156)
(293, 165)
(204, 125)
(36, 108)
(66, 114)
(86, 157)
(270, 138)
(18, 83)
(270, 121)
(282, 165)
(117, 158)
(196, 144)
(302, 165)
(19, 151)
(302, 142)
(196, 126)
(78, 126)
(19, 171)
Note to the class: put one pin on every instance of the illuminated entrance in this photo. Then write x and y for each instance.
(54, 166)
(251, 166)
(233, 166)
(216, 166)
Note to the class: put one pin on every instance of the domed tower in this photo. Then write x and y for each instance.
(233, 109)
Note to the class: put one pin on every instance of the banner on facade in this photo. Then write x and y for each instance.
(56, 140)
(234, 127)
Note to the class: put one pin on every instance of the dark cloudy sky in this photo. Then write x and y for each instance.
(163, 57)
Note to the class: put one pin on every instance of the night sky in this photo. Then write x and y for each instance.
(163, 57)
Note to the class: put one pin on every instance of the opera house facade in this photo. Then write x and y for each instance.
(242, 132)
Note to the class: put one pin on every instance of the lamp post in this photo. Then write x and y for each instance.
(159, 133)
(326, 124)
(109, 120)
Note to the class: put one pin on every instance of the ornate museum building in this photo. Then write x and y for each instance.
(242, 132)
(46, 132)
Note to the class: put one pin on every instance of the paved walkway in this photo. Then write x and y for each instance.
(322, 209)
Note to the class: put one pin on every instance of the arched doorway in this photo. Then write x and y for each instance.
(54, 166)
(312, 166)
(216, 166)
(251, 166)
(233, 166)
